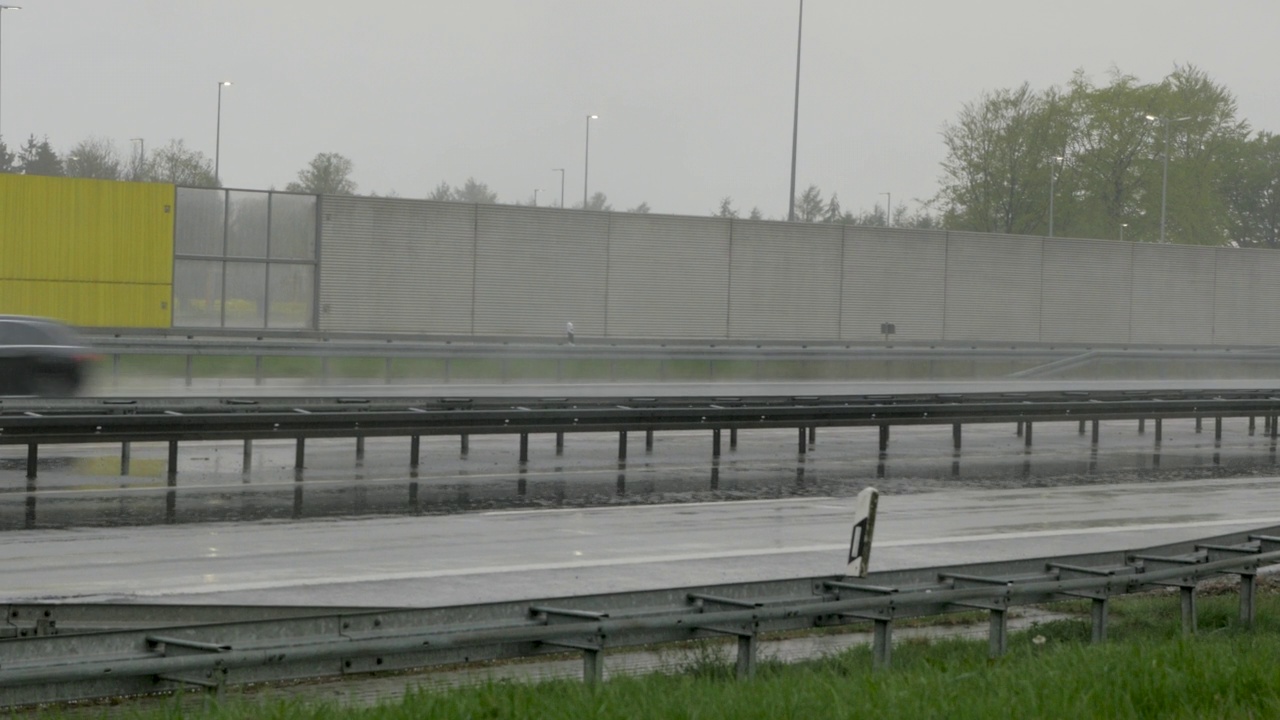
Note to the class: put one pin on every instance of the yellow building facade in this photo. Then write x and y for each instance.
(91, 253)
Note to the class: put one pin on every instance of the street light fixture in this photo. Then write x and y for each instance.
(888, 209)
(1122, 227)
(217, 147)
(561, 171)
(1053, 179)
(795, 120)
(586, 160)
(1164, 185)
(2, 9)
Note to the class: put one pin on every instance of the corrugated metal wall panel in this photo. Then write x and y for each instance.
(668, 276)
(1246, 297)
(896, 276)
(1087, 288)
(785, 280)
(538, 268)
(1173, 294)
(993, 287)
(88, 252)
(392, 265)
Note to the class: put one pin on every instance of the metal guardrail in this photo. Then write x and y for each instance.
(45, 659)
(33, 422)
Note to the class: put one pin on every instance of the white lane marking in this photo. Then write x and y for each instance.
(212, 584)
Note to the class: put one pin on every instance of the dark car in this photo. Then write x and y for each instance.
(40, 357)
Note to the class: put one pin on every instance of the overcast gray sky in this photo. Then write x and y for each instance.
(694, 96)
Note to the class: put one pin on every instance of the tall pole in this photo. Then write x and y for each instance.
(795, 120)
(586, 161)
(2, 9)
(535, 196)
(561, 171)
(217, 146)
(141, 164)
(888, 209)
(1164, 184)
(1053, 179)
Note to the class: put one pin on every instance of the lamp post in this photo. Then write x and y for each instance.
(561, 171)
(217, 146)
(888, 209)
(535, 196)
(2, 9)
(1122, 227)
(795, 120)
(1164, 184)
(586, 160)
(1053, 179)
(141, 164)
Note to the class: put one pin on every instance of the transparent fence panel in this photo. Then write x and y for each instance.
(293, 227)
(246, 304)
(200, 220)
(197, 293)
(247, 224)
(291, 289)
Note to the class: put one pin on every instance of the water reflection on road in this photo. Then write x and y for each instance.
(91, 486)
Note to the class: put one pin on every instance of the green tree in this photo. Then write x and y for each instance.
(8, 160)
(809, 205)
(598, 202)
(755, 214)
(37, 157)
(326, 174)
(177, 164)
(1252, 190)
(442, 193)
(642, 209)
(726, 209)
(94, 157)
(475, 192)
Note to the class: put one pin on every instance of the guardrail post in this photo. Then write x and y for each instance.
(1099, 612)
(1142, 426)
(622, 444)
(1252, 424)
(1159, 431)
(524, 447)
(802, 445)
(1248, 590)
(813, 435)
(593, 666)
(955, 436)
(560, 442)
(1217, 428)
(188, 372)
(466, 443)
(300, 454)
(1273, 427)
(124, 457)
(999, 640)
(248, 456)
(884, 438)
(1019, 428)
(33, 458)
(882, 645)
(715, 443)
(1199, 424)
(115, 369)
(415, 448)
(359, 449)
(173, 458)
(1096, 423)
(257, 369)
(733, 438)
(1028, 438)
(1188, 609)
(746, 656)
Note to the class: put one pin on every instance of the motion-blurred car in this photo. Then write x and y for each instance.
(40, 357)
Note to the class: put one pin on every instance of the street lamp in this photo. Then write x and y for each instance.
(217, 147)
(1122, 227)
(795, 120)
(1053, 179)
(2, 9)
(561, 171)
(1164, 185)
(586, 160)
(888, 209)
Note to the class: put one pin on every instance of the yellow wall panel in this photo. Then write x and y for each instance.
(88, 252)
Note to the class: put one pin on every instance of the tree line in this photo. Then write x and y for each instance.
(1128, 160)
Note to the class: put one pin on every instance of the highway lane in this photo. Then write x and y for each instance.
(480, 557)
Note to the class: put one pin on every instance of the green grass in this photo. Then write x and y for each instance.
(1146, 670)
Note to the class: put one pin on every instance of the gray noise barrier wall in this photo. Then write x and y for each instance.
(454, 269)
